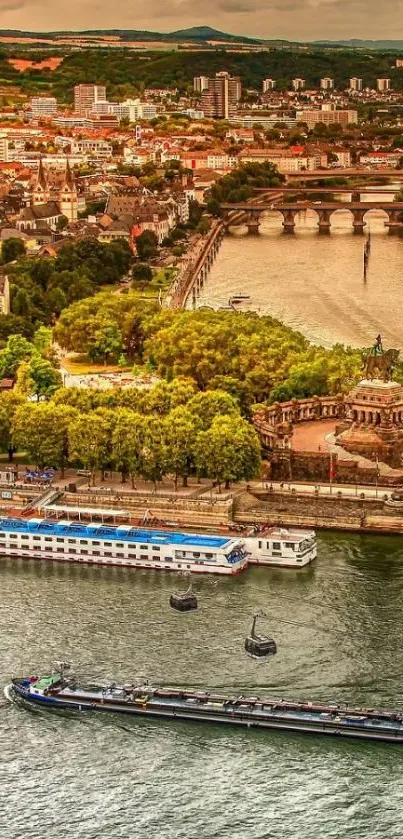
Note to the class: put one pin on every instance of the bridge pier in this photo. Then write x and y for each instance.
(253, 223)
(394, 220)
(288, 220)
(358, 220)
(324, 220)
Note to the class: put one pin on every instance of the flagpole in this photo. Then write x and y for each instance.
(331, 471)
(377, 476)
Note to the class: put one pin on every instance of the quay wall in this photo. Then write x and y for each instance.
(195, 269)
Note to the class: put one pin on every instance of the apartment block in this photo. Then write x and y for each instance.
(327, 117)
(87, 95)
(222, 95)
(43, 106)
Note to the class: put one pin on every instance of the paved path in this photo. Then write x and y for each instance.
(347, 490)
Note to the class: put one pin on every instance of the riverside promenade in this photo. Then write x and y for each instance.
(195, 269)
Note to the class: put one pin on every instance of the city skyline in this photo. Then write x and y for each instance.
(298, 20)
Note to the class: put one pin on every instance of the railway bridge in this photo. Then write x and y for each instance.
(324, 210)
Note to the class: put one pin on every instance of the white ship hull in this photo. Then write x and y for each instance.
(282, 548)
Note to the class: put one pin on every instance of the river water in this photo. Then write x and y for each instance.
(315, 283)
(102, 777)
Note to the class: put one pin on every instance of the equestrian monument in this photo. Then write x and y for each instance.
(373, 424)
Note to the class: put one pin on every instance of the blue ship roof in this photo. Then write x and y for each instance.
(119, 534)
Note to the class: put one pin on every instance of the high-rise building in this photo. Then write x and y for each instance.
(356, 84)
(87, 95)
(399, 63)
(382, 85)
(200, 83)
(222, 95)
(298, 84)
(43, 106)
(268, 84)
(326, 83)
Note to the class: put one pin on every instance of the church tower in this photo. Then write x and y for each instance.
(68, 197)
(41, 192)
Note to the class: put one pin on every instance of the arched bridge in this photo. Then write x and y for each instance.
(324, 210)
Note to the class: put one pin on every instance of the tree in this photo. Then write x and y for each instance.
(62, 222)
(42, 431)
(146, 245)
(153, 451)
(12, 249)
(127, 442)
(17, 349)
(89, 440)
(181, 428)
(142, 272)
(45, 378)
(228, 451)
(108, 344)
(211, 403)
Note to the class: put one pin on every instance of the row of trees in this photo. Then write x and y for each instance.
(216, 443)
(239, 184)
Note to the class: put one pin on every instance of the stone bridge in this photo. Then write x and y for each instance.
(324, 210)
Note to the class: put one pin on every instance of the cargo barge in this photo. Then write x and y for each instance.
(59, 691)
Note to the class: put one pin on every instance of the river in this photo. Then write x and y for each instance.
(315, 283)
(102, 777)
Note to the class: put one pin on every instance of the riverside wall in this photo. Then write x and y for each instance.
(195, 268)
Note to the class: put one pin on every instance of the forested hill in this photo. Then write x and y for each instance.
(127, 73)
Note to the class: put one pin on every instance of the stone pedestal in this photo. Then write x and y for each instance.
(374, 421)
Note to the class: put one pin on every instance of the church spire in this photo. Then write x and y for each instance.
(41, 178)
(69, 177)
(40, 193)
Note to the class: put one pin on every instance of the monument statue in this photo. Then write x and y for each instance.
(380, 363)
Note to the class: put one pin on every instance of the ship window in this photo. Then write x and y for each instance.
(156, 548)
(48, 538)
(290, 545)
(37, 538)
(143, 547)
(260, 544)
(2, 535)
(209, 556)
(13, 535)
(107, 553)
(72, 551)
(95, 543)
(108, 544)
(96, 553)
(122, 556)
(119, 545)
(196, 554)
(59, 550)
(188, 566)
(83, 542)
(143, 556)
(59, 540)
(276, 546)
(84, 551)
(24, 536)
(71, 541)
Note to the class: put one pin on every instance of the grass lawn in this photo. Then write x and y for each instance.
(80, 365)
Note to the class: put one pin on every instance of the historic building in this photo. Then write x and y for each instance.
(49, 204)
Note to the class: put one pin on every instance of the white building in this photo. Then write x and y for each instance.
(383, 85)
(356, 84)
(43, 106)
(268, 84)
(298, 84)
(326, 83)
(200, 83)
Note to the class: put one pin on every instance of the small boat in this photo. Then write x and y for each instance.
(238, 298)
(185, 602)
(59, 690)
(259, 645)
(285, 547)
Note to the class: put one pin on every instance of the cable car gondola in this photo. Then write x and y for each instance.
(184, 602)
(259, 645)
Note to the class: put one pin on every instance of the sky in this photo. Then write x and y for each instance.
(290, 19)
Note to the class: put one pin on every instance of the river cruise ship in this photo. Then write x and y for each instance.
(96, 544)
(284, 547)
(58, 691)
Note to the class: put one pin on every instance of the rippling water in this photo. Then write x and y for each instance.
(315, 283)
(87, 777)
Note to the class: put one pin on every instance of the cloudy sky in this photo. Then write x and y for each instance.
(293, 19)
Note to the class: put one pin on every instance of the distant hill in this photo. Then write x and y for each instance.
(356, 43)
(195, 33)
